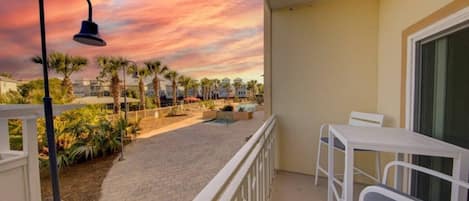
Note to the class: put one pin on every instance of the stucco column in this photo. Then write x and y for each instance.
(30, 146)
(4, 136)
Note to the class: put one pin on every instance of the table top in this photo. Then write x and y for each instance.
(396, 140)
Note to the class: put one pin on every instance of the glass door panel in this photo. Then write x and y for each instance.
(442, 105)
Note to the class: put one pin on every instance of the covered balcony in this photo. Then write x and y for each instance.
(325, 59)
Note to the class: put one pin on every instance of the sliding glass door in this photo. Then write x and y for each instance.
(441, 104)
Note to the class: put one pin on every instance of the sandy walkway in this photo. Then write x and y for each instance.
(174, 164)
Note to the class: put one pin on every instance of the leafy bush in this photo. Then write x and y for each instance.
(227, 108)
(208, 104)
(16, 142)
(84, 138)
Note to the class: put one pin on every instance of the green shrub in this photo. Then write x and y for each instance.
(16, 142)
(227, 108)
(208, 104)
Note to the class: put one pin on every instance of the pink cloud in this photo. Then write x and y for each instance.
(213, 38)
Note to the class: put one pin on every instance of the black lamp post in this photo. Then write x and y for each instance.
(88, 35)
(124, 131)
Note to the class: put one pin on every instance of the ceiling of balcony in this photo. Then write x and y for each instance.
(276, 4)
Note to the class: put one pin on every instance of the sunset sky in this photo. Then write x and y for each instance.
(199, 38)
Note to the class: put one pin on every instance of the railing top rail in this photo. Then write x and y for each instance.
(219, 182)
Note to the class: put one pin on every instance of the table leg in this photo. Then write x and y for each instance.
(348, 174)
(330, 167)
(456, 175)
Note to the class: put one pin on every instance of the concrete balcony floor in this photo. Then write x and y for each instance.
(290, 186)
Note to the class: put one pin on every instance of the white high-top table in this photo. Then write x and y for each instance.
(395, 140)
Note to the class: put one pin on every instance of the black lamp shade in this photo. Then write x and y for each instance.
(89, 34)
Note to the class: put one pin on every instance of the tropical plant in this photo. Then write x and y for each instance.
(84, 138)
(185, 83)
(194, 86)
(33, 92)
(110, 68)
(252, 87)
(205, 83)
(12, 97)
(227, 108)
(172, 76)
(216, 84)
(156, 69)
(64, 65)
(141, 74)
(260, 88)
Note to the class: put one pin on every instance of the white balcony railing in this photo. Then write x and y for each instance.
(249, 174)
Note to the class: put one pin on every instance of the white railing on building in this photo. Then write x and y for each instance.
(249, 174)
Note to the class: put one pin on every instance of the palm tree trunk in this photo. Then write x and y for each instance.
(141, 88)
(156, 89)
(67, 86)
(115, 91)
(186, 92)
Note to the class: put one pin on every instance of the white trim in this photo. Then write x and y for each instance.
(437, 27)
(444, 24)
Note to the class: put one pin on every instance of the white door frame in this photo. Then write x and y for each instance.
(435, 28)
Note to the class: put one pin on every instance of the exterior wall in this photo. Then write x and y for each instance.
(324, 65)
(6, 86)
(394, 17)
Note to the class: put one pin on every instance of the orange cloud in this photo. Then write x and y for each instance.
(212, 38)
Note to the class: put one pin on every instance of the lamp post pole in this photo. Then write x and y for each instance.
(121, 158)
(48, 111)
(89, 36)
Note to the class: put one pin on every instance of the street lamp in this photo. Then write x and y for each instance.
(89, 36)
(124, 72)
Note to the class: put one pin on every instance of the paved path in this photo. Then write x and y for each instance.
(176, 165)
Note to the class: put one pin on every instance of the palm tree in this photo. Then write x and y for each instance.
(184, 82)
(141, 74)
(194, 86)
(216, 85)
(205, 83)
(156, 68)
(172, 76)
(252, 87)
(65, 65)
(227, 87)
(110, 68)
(260, 88)
(237, 86)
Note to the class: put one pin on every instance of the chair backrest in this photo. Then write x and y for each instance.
(366, 119)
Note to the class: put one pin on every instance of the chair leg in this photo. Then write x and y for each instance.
(318, 158)
(378, 166)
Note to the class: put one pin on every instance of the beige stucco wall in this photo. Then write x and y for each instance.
(324, 65)
(7, 86)
(394, 17)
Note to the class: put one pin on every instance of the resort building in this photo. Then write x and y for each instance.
(83, 88)
(242, 92)
(225, 88)
(7, 84)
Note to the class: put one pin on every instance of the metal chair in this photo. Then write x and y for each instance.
(381, 192)
(356, 119)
